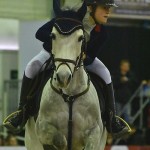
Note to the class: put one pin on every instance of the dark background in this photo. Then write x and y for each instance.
(128, 42)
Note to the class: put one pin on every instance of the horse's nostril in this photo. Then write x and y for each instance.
(69, 78)
(58, 78)
(63, 78)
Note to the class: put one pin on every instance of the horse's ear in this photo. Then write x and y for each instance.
(56, 7)
(82, 11)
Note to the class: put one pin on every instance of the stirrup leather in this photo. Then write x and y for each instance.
(9, 126)
(125, 123)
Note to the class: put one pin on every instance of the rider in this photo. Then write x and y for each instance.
(98, 12)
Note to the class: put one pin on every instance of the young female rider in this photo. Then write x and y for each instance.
(98, 13)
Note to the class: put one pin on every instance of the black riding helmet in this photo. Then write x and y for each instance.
(109, 3)
(95, 3)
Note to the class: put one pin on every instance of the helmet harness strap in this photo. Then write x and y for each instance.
(92, 13)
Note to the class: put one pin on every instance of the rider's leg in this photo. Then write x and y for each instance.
(14, 120)
(100, 69)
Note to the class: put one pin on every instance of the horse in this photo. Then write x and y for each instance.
(69, 116)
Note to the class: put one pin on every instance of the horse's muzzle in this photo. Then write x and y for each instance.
(63, 79)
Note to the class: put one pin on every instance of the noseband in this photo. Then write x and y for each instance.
(77, 63)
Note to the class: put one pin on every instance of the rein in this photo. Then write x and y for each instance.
(70, 100)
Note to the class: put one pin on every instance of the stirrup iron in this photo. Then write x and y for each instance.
(10, 127)
(125, 123)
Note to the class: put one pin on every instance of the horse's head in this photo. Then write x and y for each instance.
(67, 42)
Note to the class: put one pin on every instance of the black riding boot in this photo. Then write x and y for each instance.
(16, 121)
(118, 127)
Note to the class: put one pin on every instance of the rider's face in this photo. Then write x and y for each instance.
(102, 13)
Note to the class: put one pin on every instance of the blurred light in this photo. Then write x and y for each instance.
(9, 34)
(9, 47)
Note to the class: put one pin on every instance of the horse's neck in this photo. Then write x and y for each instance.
(78, 83)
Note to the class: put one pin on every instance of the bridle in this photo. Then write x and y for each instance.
(79, 60)
(71, 98)
(77, 63)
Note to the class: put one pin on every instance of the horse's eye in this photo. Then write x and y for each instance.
(81, 38)
(52, 36)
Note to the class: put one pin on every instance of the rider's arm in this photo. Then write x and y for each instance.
(97, 40)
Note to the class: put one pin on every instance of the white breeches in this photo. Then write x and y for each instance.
(100, 69)
(34, 66)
